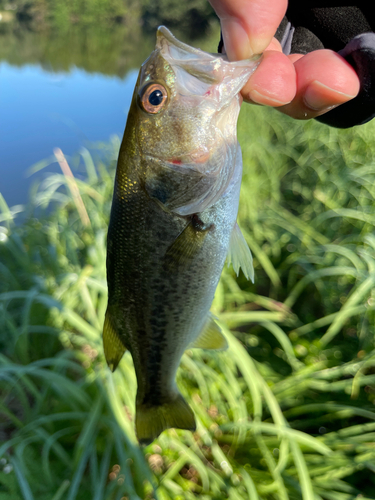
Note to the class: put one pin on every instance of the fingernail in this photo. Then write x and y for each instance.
(264, 99)
(319, 97)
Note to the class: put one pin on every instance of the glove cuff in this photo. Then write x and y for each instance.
(360, 53)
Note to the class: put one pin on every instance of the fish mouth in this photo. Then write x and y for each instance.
(163, 32)
(202, 65)
(203, 75)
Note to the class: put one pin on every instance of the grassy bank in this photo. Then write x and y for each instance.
(287, 412)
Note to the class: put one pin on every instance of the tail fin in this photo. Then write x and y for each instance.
(150, 421)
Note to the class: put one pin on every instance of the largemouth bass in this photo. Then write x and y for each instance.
(173, 222)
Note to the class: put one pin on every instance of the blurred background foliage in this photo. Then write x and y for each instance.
(96, 35)
(43, 15)
(287, 412)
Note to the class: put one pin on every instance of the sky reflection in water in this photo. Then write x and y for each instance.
(40, 110)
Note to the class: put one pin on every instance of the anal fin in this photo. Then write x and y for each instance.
(150, 421)
(114, 349)
(239, 254)
(210, 337)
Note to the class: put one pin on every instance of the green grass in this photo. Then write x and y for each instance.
(287, 412)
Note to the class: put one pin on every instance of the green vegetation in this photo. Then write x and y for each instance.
(287, 412)
(191, 17)
(44, 14)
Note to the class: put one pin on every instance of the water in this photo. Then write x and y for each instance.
(41, 110)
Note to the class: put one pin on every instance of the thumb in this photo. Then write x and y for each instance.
(248, 25)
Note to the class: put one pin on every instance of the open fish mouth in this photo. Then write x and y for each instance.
(180, 51)
(207, 68)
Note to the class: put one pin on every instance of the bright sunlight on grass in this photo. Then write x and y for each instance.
(287, 412)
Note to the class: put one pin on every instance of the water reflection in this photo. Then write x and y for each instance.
(108, 50)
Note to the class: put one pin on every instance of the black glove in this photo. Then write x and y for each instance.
(345, 28)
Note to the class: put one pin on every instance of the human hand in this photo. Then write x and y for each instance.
(301, 86)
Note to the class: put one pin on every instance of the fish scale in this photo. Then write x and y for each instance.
(173, 216)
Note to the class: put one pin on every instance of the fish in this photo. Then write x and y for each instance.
(173, 222)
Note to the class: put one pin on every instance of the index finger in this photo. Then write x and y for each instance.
(248, 25)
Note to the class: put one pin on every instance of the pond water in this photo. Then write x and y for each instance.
(64, 91)
(41, 110)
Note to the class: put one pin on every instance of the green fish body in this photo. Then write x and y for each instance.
(173, 222)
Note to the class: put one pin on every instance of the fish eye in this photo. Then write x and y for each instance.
(153, 97)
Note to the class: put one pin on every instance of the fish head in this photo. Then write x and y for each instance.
(186, 103)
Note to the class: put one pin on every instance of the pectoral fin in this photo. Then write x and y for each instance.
(210, 337)
(114, 349)
(188, 243)
(239, 254)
